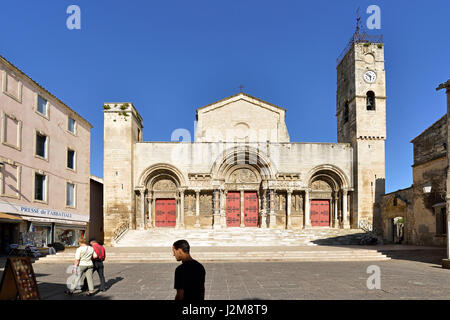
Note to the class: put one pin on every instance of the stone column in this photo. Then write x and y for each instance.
(349, 201)
(140, 208)
(177, 222)
(242, 209)
(336, 211)
(264, 210)
(182, 209)
(197, 209)
(223, 214)
(150, 205)
(144, 216)
(307, 210)
(153, 213)
(272, 216)
(143, 192)
(345, 223)
(216, 209)
(288, 209)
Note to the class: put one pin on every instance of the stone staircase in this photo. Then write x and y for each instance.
(241, 237)
(241, 254)
(236, 245)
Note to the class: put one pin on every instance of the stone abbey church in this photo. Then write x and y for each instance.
(242, 170)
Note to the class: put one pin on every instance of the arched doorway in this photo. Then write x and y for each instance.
(242, 185)
(243, 172)
(329, 199)
(397, 230)
(162, 194)
(321, 198)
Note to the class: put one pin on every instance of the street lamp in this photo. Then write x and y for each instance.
(427, 188)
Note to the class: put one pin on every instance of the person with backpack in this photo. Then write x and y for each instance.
(98, 262)
(83, 266)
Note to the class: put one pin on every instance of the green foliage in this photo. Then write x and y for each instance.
(380, 45)
(106, 107)
(124, 106)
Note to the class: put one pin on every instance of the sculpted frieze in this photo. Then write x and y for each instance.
(165, 185)
(284, 184)
(321, 185)
(243, 175)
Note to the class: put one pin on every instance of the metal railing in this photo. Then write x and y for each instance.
(359, 37)
(120, 230)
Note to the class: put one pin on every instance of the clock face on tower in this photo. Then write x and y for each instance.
(370, 76)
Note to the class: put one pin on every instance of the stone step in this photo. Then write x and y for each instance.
(236, 259)
(349, 255)
(142, 255)
(159, 237)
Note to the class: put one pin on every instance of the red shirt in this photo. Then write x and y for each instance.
(100, 251)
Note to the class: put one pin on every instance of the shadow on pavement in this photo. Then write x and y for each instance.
(432, 255)
(55, 291)
(112, 282)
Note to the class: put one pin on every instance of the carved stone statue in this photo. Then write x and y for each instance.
(243, 175)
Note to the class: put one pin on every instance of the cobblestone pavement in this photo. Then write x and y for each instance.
(400, 279)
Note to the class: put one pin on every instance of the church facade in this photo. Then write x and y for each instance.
(242, 170)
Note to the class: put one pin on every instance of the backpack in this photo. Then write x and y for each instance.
(100, 251)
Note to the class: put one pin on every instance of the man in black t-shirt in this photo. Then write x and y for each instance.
(190, 275)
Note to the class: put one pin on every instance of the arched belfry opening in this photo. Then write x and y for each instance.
(370, 100)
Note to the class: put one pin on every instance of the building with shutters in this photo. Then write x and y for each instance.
(44, 164)
(242, 170)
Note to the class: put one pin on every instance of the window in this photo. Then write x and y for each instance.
(41, 145)
(12, 86)
(70, 159)
(71, 125)
(39, 187)
(42, 105)
(68, 235)
(370, 100)
(11, 131)
(70, 195)
(345, 112)
(10, 179)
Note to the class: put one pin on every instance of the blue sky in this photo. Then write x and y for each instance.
(171, 57)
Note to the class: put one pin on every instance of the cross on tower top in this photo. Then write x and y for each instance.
(241, 87)
(358, 18)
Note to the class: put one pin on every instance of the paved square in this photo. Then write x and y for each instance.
(419, 277)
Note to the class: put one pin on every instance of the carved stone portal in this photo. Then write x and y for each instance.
(320, 185)
(243, 176)
(165, 185)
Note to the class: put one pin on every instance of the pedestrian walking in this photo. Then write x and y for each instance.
(98, 262)
(190, 275)
(83, 265)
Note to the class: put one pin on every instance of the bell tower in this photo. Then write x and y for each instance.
(361, 121)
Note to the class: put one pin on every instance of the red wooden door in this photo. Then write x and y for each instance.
(251, 209)
(320, 213)
(233, 209)
(166, 212)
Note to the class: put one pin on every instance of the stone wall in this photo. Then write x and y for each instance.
(398, 204)
(205, 157)
(432, 143)
(419, 208)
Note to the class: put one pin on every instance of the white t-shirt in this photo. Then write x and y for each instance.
(84, 254)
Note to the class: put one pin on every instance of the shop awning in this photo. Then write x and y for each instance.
(9, 218)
